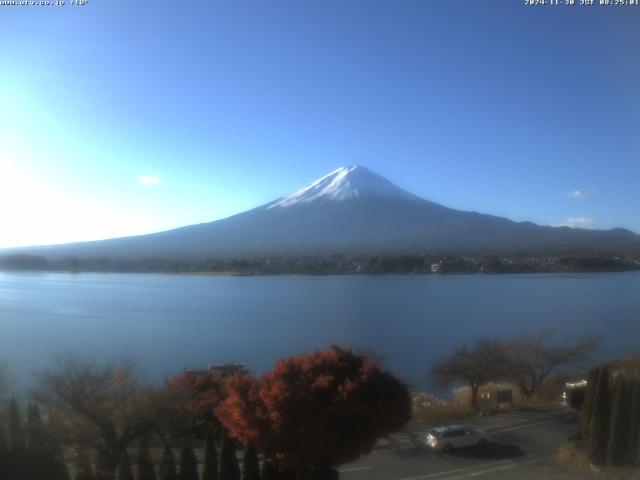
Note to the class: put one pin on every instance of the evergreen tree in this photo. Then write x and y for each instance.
(4, 455)
(125, 472)
(35, 429)
(168, 465)
(82, 465)
(617, 450)
(188, 462)
(53, 448)
(144, 467)
(210, 471)
(54, 434)
(3, 440)
(250, 464)
(599, 430)
(587, 406)
(102, 470)
(229, 468)
(59, 470)
(20, 467)
(634, 424)
(16, 431)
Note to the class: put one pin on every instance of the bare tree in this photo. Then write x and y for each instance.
(472, 366)
(100, 405)
(532, 358)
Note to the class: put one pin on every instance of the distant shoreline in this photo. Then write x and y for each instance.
(415, 264)
(310, 274)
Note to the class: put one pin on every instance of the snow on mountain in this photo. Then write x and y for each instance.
(350, 211)
(345, 183)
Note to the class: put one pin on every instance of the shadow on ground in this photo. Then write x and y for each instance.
(493, 451)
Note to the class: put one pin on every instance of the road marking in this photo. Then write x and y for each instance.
(498, 469)
(437, 474)
(354, 469)
(481, 469)
(520, 427)
(517, 415)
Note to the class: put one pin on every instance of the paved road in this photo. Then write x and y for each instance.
(523, 445)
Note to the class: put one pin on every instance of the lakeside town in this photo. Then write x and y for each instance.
(334, 264)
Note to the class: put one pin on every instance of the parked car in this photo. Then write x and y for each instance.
(450, 437)
(573, 394)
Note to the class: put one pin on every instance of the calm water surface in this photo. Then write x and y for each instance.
(170, 322)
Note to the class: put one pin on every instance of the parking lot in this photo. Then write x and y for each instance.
(522, 447)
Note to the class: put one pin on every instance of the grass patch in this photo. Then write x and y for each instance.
(574, 458)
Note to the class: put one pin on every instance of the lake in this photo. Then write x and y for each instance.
(169, 322)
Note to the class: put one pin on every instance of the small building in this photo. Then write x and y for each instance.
(436, 267)
(220, 369)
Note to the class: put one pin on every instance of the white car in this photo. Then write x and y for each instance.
(450, 437)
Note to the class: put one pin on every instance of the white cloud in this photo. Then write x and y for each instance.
(577, 195)
(576, 222)
(148, 180)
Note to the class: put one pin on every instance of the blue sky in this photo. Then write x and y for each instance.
(527, 112)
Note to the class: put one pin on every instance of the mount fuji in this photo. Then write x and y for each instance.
(352, 210)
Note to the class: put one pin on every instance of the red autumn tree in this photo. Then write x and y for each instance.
(317, 409)
(193, 398)
(244, 410)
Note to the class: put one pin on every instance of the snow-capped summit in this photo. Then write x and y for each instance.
(350, 211)
(345, 183)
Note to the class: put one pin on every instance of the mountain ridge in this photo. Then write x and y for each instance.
(351, 210)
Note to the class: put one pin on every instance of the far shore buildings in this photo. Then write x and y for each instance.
(221, 369)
